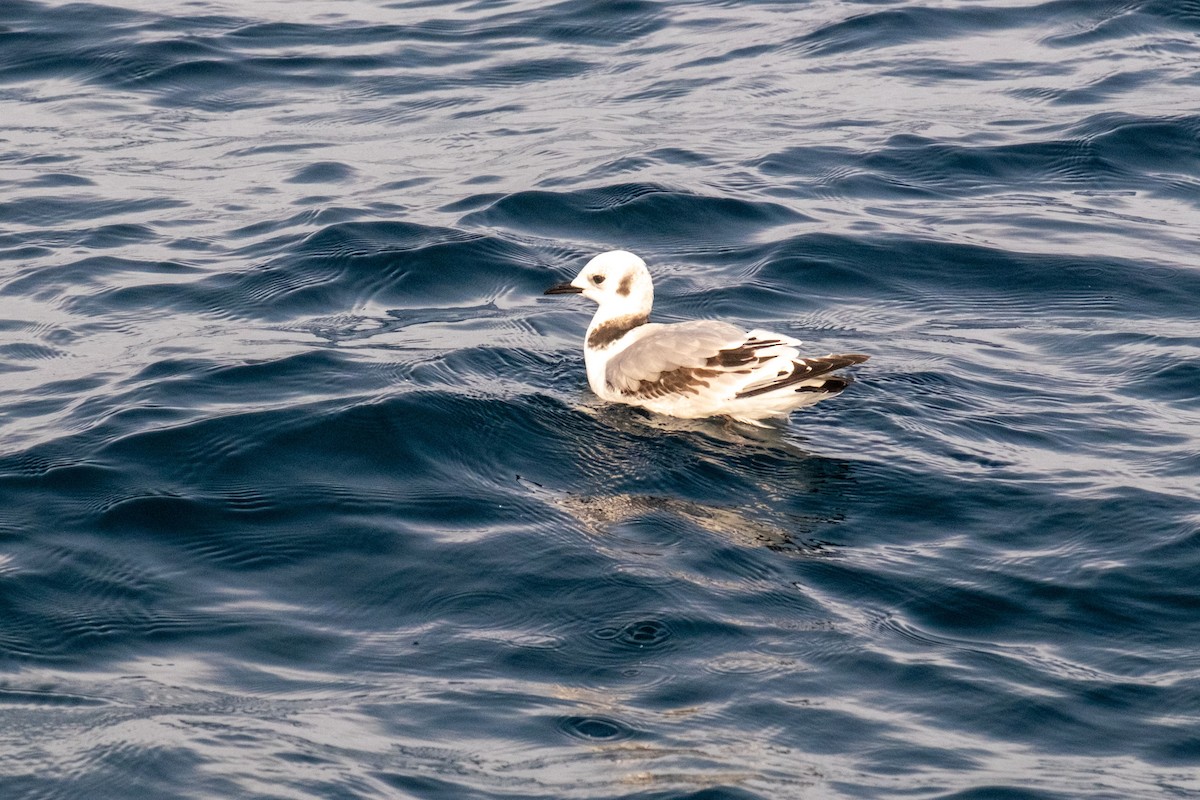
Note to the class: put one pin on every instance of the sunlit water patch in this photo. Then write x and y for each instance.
(303, 493)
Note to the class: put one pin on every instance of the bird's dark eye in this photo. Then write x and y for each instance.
(597, 279)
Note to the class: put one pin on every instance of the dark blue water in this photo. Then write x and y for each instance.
(303, 493)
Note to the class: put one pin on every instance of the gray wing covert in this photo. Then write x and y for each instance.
(672, 358)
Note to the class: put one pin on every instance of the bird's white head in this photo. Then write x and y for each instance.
(617, 280)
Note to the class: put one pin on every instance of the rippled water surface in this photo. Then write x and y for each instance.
(303, 493)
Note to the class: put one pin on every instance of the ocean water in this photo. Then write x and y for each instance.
(303, 493)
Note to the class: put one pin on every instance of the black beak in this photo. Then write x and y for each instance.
(563, 288)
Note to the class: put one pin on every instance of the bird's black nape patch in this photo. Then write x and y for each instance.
(608, 332)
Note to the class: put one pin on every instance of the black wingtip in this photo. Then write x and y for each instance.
(809, 368)
(832, 385)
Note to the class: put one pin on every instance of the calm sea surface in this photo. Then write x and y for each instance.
(303, 493)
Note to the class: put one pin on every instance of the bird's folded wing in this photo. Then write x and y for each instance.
(680, 357)
(805, 372)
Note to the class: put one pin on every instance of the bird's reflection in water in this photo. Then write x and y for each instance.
(773, 474)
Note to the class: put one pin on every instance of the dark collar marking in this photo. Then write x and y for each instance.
(608, 332)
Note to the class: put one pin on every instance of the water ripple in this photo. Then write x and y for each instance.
(302, 490)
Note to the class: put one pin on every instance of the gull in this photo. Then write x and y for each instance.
(703, 368)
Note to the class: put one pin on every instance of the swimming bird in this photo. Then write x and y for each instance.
(703, 368)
